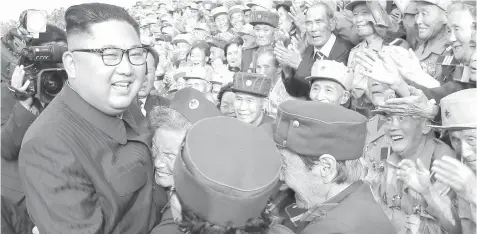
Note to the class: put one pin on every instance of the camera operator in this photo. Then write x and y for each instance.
(17, 116)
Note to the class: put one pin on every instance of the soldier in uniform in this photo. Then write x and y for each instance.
(250, 90)
(265, 24)
(169, 126)
(409, 205)
(326, 175)
(460, 122)
(182, 44)
(230, 198)
(431, 23)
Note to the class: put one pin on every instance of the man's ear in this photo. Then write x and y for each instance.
(69, 64)
(327, 168)
(425, 126)
(333, 24)
(345, 98)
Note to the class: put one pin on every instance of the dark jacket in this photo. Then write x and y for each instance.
(83, 171)
(296, 85)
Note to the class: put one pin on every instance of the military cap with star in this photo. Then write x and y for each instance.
(252, 83)
(311, 129)
(197, 72)
(219, 11)
(264, 17)
(193, 105)
(183, 37)
(331, 70)
(443, 4)
(458, 110)
(223, 182)
(163, 37)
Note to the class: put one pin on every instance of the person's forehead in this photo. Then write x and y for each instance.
(262, 26)
(167, 139)
(326, 83)
(228, 95)
(116, 33)
(246, 96)
(361, 7)
(460, 17)
(463, 132)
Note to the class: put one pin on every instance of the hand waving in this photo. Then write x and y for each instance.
(417, 177)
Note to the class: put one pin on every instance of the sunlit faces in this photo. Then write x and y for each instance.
(198, 57)
(318, 26)
(248, 108)
(234, 55)
(328, 91)
(201, 85)
(166, 147)
(222, 22)
(227, 104)
(430, 20)
(110, 89)
(361, 17)
(406, 133)
(237, 18)
(377, 92)
(461, 26)
(181, 49)
(264, 34)
(464, 143)
(148, 83)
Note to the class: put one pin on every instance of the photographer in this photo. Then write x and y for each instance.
(17, 116)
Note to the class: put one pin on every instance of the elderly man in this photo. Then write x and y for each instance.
(325, 175)
(237, 17)
(330, 82)
(324, 45)
(221, 18)
(250, 90)
(460, 122)
(102, 182)
(170, 125)
(264, 24)
(409, 205)
(182, 44)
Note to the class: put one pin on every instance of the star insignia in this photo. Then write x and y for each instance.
(194, 104)
(447, 114)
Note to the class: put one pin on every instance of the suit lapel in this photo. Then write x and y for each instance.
(337, 50)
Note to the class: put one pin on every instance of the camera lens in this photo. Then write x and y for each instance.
(53, 82)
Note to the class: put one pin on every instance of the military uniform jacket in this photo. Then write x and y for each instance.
(86, 172)
(399, 201)
(428, 56)
(354, 210)
(467, 215)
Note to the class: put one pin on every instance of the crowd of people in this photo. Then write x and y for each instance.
(259, 116)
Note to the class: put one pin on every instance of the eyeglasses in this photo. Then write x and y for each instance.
(113, 56)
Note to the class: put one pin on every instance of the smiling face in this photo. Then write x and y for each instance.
(361, 18)
(328, 91)
(406, 133)
(430, 20)
(318, 25)
(222, 22)
(198, 57)
(166, 148)
(377, 92)
(461, 26)
(464, 143)
(109, 89)
(248, 108)
(181, 50)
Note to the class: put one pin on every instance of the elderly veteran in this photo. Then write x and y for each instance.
(250, 90)
(182, 44)
(221, 18)
(226, 98)
(198, 78)
(325, 175)
(330, 82)
(265, 25)
(237, 17)
(411, 206)
(460, 121)
(229, 198)
(169, 125)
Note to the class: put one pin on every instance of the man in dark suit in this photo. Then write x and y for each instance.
(324, 45)
(85, 167)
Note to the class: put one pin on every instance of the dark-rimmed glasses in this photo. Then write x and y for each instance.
(113, 56)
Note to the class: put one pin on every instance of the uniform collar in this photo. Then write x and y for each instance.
(439, 46)
(331, 203)
(112, 126)
(326, 49)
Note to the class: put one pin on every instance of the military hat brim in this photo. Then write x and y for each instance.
(351, 5)
(453, 127)
(248, 92)
(311, 79)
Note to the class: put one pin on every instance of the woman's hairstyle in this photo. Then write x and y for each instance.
(193, 224)
(202, 45)
(236, 40)
(223, 90)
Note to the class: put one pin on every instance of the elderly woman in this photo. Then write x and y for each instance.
(233, 54)
(226, 98)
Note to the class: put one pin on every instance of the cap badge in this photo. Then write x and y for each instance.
(259, 16)
(447, 114)
(248, 83)
(194, 104)
(322, 68)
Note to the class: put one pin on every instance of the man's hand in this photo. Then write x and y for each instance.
(287, 56)
(17, 83)
(417, 177)
(415, 104)
(298, 17)
(407, 62)
(380, 68)
(458, 176)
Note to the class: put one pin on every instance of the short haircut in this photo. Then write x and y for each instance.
(79, 18)
(268, 51)
(223, 90)
(202, 45)
(165, 118)
(329, 11)
(236, 40)
(463, 6)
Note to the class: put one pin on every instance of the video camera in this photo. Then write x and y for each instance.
(40, 62)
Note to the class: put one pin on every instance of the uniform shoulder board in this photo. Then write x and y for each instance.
(448, 60)
(449, 48)
(394, 42)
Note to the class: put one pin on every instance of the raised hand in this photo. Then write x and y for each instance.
(287, 56)
(414, 175)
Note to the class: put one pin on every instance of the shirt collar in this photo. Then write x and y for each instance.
(112, 126)
(326, 49)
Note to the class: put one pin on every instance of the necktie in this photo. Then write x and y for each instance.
(319, 56)
(141, 105)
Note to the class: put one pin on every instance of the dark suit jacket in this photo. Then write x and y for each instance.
(296, 85)
(151, 102)
(247, 57)
(83, 171)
